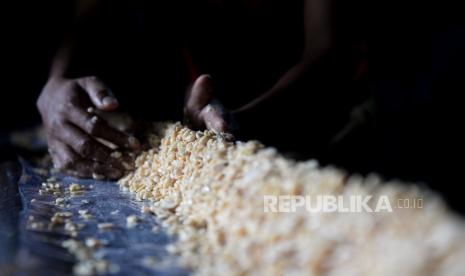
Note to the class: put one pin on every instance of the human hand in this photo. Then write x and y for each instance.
(202, 110)
(74, 129)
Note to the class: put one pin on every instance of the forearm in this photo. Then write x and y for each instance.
(318, 53)
(84, 12)
(309, 67)
(61, 60)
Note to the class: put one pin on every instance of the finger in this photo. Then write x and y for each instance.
(200, 95)
(99, 94)
(90, 169)
(81, 143)
(119, 121)
(125, 161)
(88, 148)
(66, 160)
(62, 156)
(97, 127)
(212, 116)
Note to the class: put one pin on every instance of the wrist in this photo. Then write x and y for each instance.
(56, 78)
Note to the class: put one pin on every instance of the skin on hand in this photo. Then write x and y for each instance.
(73, 128)
(201, 110)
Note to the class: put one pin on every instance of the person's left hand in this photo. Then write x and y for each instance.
(202, 110)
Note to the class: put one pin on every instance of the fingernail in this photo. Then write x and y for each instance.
(221, 126)
(128, 166)
(97, 176)
(208, 108)
(109, 101)
(133, 142)
(94, 120)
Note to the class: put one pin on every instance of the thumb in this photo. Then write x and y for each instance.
(200, 95)
(99, 94)
(213, 117)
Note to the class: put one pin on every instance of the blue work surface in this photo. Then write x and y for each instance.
(40, 251)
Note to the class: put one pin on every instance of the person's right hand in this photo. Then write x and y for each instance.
(73, 129)
(201, 110)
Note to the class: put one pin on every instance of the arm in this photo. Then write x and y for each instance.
(201, 109)
(318, 42)
(74, 129)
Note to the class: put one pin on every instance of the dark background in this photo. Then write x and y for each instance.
(408, 95)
